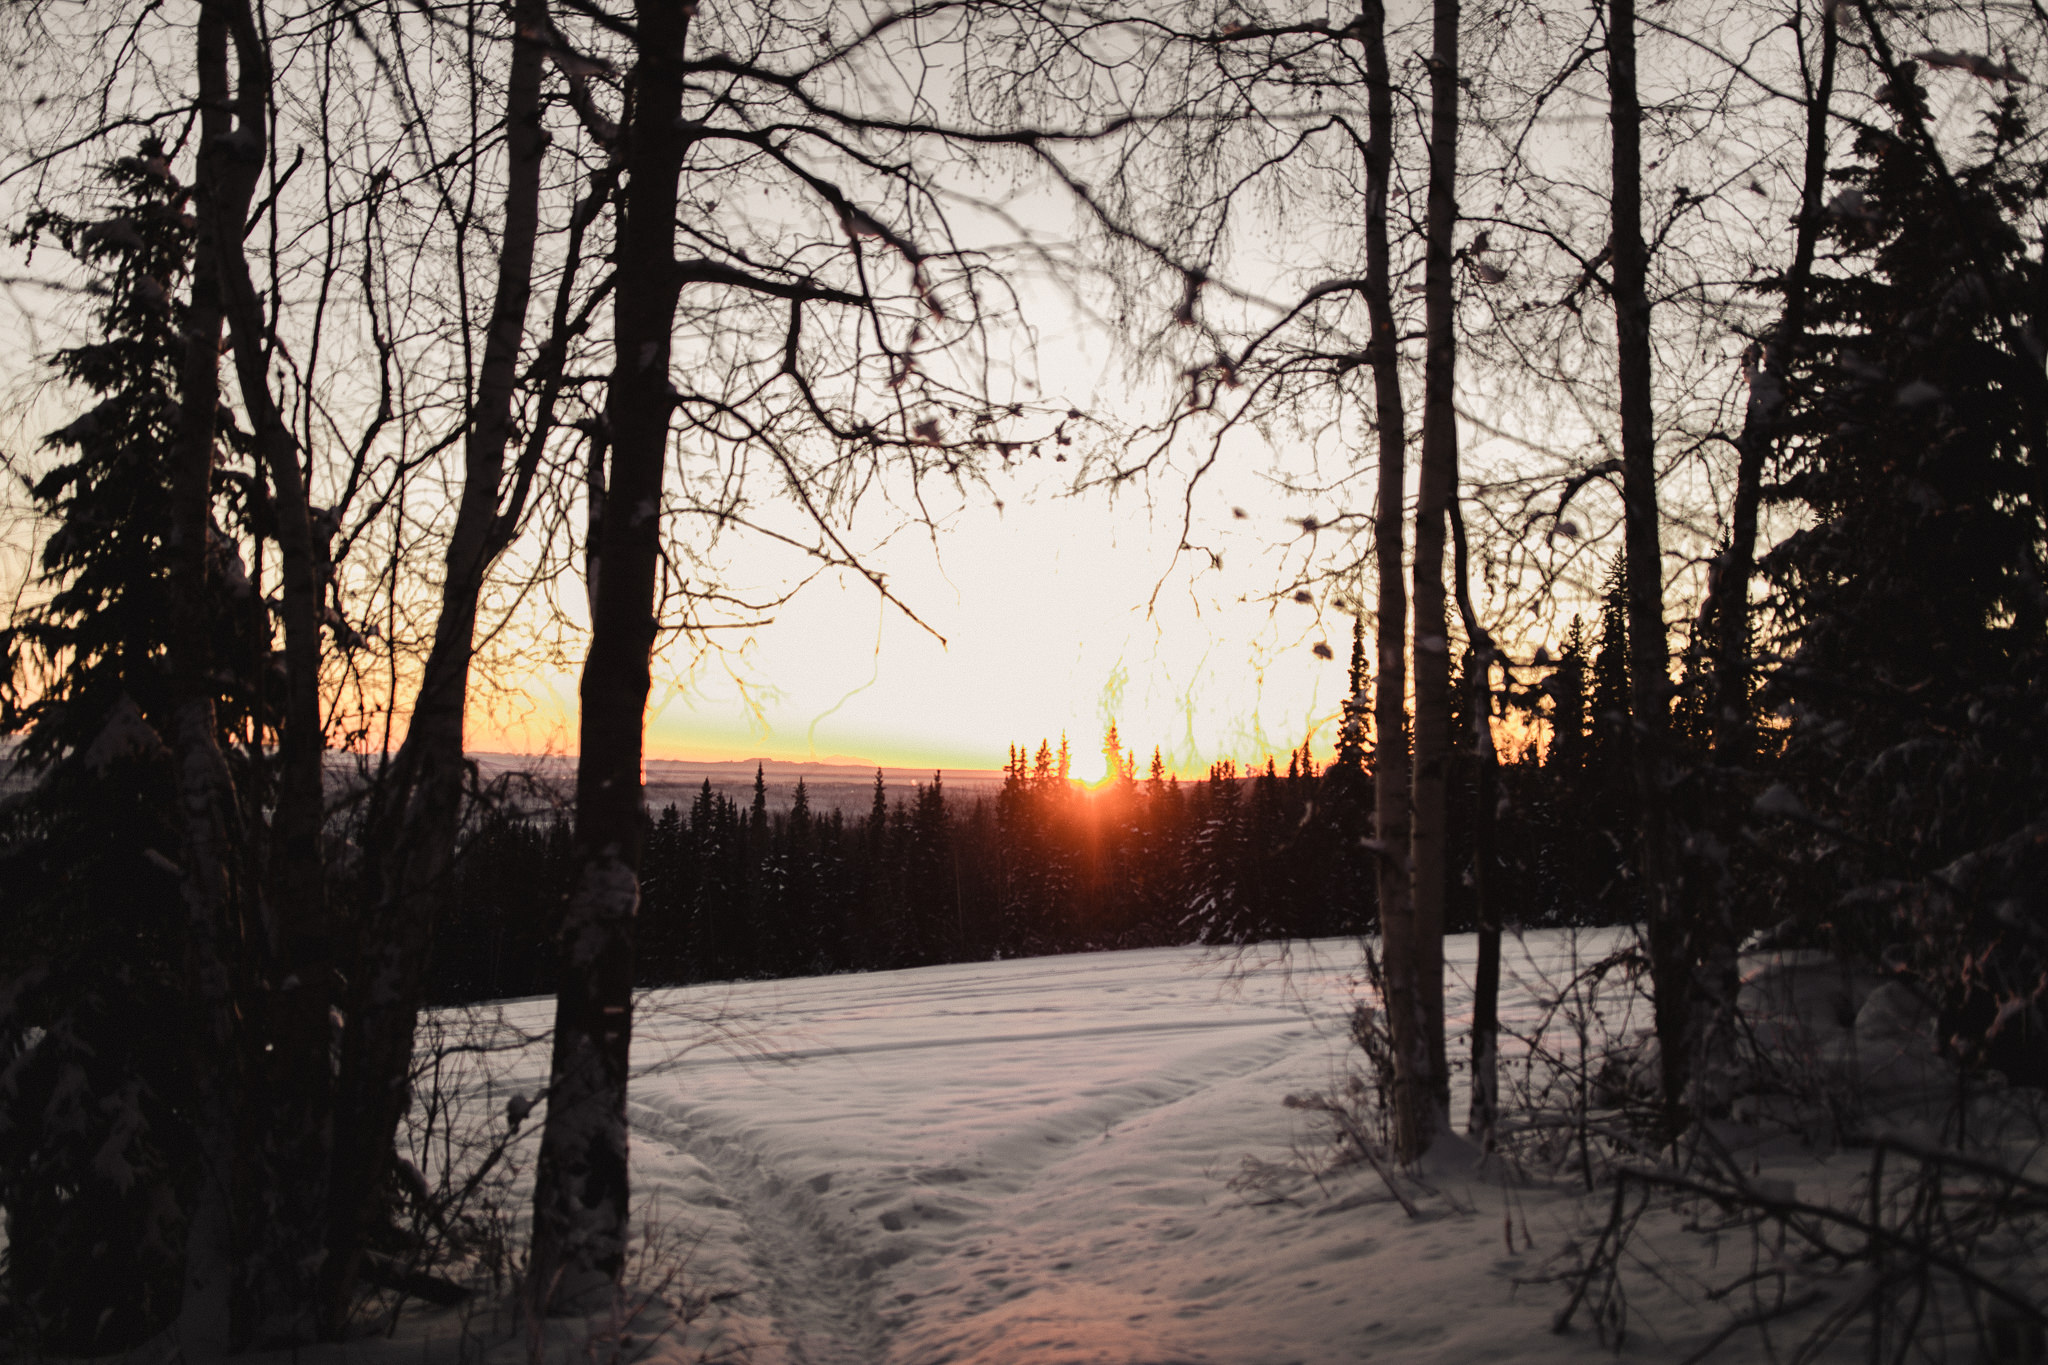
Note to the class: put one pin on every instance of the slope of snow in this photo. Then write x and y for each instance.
(1032, 1161)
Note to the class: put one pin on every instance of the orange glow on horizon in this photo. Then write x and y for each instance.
(544, 730)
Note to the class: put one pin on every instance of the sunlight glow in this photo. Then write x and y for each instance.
(1091, 769)
(1059, 617)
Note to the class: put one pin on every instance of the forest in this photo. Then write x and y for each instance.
(1658, 398)
(1049, 866)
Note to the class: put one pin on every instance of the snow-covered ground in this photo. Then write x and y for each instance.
(1033, 1161)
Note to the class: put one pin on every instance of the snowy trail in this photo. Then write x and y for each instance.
(816, 1287)
(932, 1044)
(1030, 1161)
(908, 1191)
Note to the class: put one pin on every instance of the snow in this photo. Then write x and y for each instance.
(1034, 1161)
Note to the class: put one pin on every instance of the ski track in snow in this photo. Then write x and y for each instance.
(817, 1287)
(1030, 1161)
(826, 1264)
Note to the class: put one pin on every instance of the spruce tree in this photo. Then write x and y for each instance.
(1355, 710)
(1607, 834)
(1913, 619)
(1566, 756)
(96, 1160)
(1610, 719)
(1112, 755)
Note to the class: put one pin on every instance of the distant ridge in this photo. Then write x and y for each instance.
(835, 783)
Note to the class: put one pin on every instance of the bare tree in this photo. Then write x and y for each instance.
(840, 350)
(1420, 957)
(216, 892)
(1649, 656)
(580, 1195)
(274, 933)
(1487, 894)
(416, 805)
(1771, 357)
(1391, 770)
(1301, 147)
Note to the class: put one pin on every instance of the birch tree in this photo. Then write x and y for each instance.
(1418, 952)
(1390, 702)
(416, 804)
(290, 1180)
(840, 345)
(581, 1194)
(1290, 89)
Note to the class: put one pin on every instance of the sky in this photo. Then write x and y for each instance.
(1059, 615)
(1051, 613)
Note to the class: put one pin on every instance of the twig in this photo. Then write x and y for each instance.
(1563, 1321)
(1360, 1139)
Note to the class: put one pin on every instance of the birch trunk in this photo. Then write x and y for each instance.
(297, 878)
(1390, 697)
(417, 813)
(580, 1196)
(1486, 886)
(1425, 1088)
(284, 1106)
(1670, 937)
(259, 954)
(1712, 921)
(1734, 726)
(212, 889)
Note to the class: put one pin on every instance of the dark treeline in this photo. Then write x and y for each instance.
(1047, 866)
(1044, 866)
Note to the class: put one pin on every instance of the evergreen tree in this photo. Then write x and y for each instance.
(1566, 757)
(1567, 866)
(718, 913)
(1461, 770)
(877, 890)
(757, 812)
(1911, 604)
(100, 635)
(766, 884)
(1353, 733)
(1213, 906)
(96, 1160)
(1609, 737)
(796, 858)
(932, 904)
(662, 955)
(1606, 831)
(1041, 766)
(1692, 715)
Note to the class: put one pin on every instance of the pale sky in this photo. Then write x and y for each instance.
(1059, 614)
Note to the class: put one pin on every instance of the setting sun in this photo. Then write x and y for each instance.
(1066, 644)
